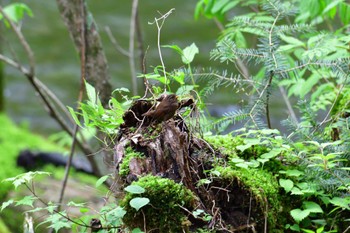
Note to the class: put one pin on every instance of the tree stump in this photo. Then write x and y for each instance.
(170, 150)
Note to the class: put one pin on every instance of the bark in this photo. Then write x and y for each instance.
(96, 63)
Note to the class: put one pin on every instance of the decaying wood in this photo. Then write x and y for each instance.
(172, 151)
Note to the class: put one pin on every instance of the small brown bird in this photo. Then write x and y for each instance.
(165, 110)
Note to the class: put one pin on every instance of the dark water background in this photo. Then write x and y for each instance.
(57, 63)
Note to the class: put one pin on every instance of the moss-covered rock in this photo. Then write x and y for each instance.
(163, 213)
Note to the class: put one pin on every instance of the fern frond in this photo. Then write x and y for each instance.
(228, 119)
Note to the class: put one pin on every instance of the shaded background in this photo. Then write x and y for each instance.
(57, 63)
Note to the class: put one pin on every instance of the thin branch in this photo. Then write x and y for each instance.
(23, 42)
(159, 27)
(115, 42)
(132, 46)
(80, 98)
(289, 106)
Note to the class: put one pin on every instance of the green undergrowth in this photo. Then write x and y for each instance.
(163, 212)
(13, 139)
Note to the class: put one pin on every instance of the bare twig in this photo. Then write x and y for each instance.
(132, 46)
(115, 42)
(159, 28)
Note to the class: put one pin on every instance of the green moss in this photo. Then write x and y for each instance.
(226, 144)
(12, 140)
(261, 183)
(3, 227)
(129, 154)
(163, 213)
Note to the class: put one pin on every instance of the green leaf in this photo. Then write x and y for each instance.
(331, 5)
(299, 214)
(313, 207)
(74, 116)
(101, 180)
(219, 4)
(72, 203)
(179, 77)
(174, 47)
(137, 230)
(286, 184)
(138, 202)
(341, 202)
(135, 189)
(296, 191)
(294, 172)
(27, 200)
(6, 204)
(272, 153)
(91, 93)
(24, 178)
(15, 11)
(292, 40)
(188, 53)
(185, 89)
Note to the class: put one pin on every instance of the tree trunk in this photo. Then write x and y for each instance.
(96, 62)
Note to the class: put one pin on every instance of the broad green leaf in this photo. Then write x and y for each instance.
(185, 89)
(237, 160)
(341, 202)
(344, 13)
(299, 214)
(15, 11)
(312, 207)
(272, 153)
(269, 131)
(84, 210)
(229, 6)
(218, 5)
(286, 184)
(138, 202)
(242, 165)
(174, 47)
(137, 230)
(91, 93)
(101, 180)
(179, 77)
(135, 189)
(331, 5)
(307, 231)
(294, 172)
(27, 200)
(296, 191)
(6, 204)
(24, 178)
(188, 53)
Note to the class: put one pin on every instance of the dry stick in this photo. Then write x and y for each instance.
(115, 42)
(132, 46)
(159, 27)
(80, 97)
